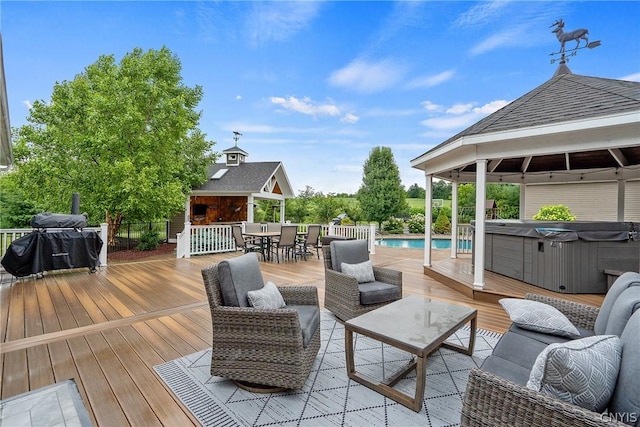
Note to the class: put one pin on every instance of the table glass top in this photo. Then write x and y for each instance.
(413, 320)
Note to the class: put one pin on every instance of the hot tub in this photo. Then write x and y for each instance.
(569, 257)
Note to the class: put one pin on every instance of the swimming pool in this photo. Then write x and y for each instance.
(419, 243)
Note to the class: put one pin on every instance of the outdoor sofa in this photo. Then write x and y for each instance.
(599, 369)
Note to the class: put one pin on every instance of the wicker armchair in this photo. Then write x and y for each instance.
(343, 293)
(262, 346)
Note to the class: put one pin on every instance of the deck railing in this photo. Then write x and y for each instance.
(210, 239)
(465, 239)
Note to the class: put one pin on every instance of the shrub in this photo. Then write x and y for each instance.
(149, 240)
(416, 224)
(393, 225)
(442, 224)
(554, 213)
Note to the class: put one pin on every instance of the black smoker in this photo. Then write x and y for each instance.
(66, 247)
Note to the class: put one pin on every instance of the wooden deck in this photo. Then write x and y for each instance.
(107, 330)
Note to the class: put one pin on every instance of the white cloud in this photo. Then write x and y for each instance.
(459, 109)
(632, 77)
(481, 14)
(491, 107)
(238, 97)
(27, 104)
(279, 20)
(430, 81)
(368, 77)
(430, 106)
(511, 37)
(305, 106)
(350, 118)
(460, 116)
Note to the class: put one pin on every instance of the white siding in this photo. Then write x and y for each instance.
(632, 201)
(588, 201)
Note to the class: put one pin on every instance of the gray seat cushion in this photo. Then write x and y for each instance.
(349, 252)
(547, 338)
(377, 292)
(625, 402)
(309, 316)
(627, 303)
(520, 349)
(237, 277)
(626, 280)
(506, 369)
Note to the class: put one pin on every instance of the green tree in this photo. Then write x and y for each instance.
(326, 207)
(381, 194)
(442, 224)
(416, 192)
(16, 210)
(298, 209)
(441, 190)
(123, 135)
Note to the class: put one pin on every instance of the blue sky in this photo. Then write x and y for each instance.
(317, 85)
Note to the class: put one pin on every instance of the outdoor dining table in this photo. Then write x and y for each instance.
(265, 240)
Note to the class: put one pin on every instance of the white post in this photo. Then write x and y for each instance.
(372, 238)
(250, 206)
(282, 211)
(332, 230)
(187, 208)
(186, 240)
(454, 219)
(104, 235)
(428, 219)
(478, 249)
(523, 195)
(621, 193)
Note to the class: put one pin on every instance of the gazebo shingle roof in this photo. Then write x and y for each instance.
(562, 98)
(243, 178)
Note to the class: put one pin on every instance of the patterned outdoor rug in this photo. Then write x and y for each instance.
(329, 397)
(59, 404)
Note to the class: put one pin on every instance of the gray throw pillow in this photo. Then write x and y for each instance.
(363, 271)
(267, 297)
(538, 316)
(582, 372)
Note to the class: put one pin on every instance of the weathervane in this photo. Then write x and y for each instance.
(236, 136)
(577, 35)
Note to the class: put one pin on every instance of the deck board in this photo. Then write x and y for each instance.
(108, 329)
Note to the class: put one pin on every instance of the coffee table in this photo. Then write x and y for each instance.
(413, 324)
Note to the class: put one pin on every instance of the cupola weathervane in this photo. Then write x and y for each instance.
(236, 136)
(577, 35)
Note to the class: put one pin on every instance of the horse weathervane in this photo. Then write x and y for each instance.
(236, 136)
(577, 35)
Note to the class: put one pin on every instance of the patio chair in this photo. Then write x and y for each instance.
(311, 240)
(246, 244)
(286, 243)
(352, 286)
(259, 348)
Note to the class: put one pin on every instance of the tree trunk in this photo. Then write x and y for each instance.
(114, 223)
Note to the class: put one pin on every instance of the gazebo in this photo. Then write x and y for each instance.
(570, 129)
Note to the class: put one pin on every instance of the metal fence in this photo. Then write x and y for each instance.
(129, 234)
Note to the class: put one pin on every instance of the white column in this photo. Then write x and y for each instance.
(250, 206)
(478, 249)
(622, 184)
(282, 211)
(187, 209)
(428, 219)
(454, 219)
(523, 195)
(372, 239)
(104, 236)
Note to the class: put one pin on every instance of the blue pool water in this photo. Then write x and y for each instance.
(419, 243)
